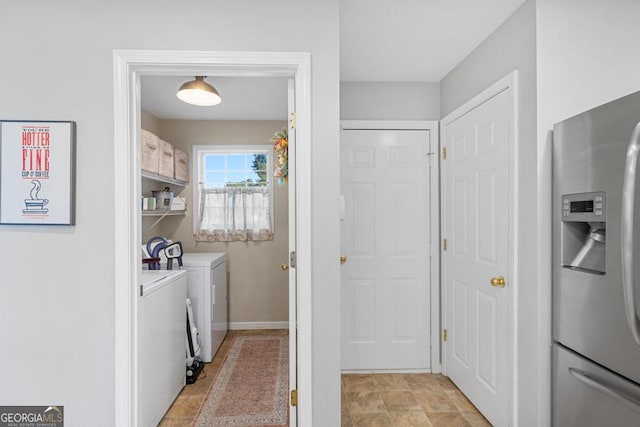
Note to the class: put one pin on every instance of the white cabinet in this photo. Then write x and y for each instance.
(161, 347)
(207, 288)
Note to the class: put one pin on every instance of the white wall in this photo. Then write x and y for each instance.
(588, 53)
(513, 46)
(389, 101)
(149, 122)
(57, 305)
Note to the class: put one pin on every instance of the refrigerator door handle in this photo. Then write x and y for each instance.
(628, 196)
(607, 389)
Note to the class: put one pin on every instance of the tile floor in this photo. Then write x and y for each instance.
(367, 399)
(405, 400)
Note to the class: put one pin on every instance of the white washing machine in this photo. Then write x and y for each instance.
(162, 324)
(207, 289)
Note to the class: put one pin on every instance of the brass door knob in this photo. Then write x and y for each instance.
(343, 259)
(498, 282)
(284, 267)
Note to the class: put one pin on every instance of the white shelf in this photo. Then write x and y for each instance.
(163, 179)
(161, 212)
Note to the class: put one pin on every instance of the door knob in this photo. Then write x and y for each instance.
(343, 259)
(498, 282)
(284, 267)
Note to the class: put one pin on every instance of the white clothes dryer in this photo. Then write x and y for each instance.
(207, 289)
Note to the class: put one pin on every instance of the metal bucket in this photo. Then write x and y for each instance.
(163, 198)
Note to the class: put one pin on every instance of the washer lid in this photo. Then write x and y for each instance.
(203, 259)
(155, 279)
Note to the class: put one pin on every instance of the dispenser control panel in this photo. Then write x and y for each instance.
(584, 206)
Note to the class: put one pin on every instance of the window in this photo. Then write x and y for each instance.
(233, 198)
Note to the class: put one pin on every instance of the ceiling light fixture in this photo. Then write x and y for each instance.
(198, 92)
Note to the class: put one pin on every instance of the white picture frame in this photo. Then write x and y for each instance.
(37, 172)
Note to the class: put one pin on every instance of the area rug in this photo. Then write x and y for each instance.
(252, 385)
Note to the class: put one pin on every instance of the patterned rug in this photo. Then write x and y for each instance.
(252, 386)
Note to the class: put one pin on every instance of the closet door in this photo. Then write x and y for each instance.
(385, 236)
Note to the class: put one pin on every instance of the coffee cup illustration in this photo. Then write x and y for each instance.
(35, 205)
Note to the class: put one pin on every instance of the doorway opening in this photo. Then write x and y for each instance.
(129, 67)
(390, 281)
(237, 208)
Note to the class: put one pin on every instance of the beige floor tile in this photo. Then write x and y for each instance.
(359, 382)
(345, 413)
(345, 419)
(460, 400)
(211, 369)
(399, 401)
(199, 388)
(435, 401)
(184, 406)
(176, 422)
(422, 381)
(385, 382)
(444, 382)
(476, 419)
(365, 402)
(344, 400)
(371, 420)
(447, 419)
(409, 419)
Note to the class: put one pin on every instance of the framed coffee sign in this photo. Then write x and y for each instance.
(37, 172)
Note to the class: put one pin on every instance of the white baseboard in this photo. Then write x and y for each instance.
(258, 325)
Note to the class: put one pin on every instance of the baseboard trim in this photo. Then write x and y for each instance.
(258, 325)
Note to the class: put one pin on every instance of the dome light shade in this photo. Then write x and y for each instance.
(198, 92)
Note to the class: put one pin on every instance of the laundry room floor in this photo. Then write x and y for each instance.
(367, 399)
(185, 408)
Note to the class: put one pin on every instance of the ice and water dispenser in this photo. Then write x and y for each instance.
(584, 232)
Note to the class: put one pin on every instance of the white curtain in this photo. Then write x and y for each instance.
(232, 213)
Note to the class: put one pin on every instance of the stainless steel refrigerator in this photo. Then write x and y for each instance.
(596, 267)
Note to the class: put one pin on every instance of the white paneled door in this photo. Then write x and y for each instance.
(476, 260)
(385, 236)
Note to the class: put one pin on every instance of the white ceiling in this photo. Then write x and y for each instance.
(243, 98)
(413, 40)
(380, 40)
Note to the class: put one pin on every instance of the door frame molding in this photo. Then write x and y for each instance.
(434, 209)
(510, 83)
(128, 67)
